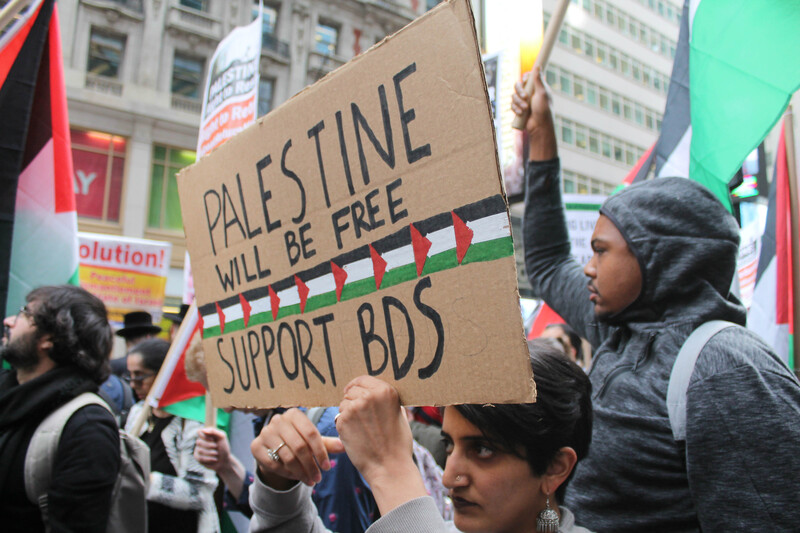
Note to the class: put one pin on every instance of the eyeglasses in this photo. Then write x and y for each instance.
(138, 379)
(25, 311)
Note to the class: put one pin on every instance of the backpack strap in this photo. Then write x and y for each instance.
(682, 371)
(43, 446)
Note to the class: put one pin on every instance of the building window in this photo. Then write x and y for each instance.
(269, 18)
(165, 207)
(199, 5)
(588, 46)
(606, 144)
(591, 93)
(580, 137)
(266, 88)
(98, 161)
(605, 101)
(326, 39)
(594, 142)
(552, 78)
(578, 88)
(187, 75)
(105, 53)
(566, 131)
(566, 84)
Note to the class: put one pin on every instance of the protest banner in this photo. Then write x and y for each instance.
(582, 212)
(230, 97)
(126, 274)
(360, 228)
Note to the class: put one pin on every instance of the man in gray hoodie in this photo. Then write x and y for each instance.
(664, 258)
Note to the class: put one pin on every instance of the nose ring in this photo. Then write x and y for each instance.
(458, 479)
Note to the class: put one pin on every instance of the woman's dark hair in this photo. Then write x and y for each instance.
(153, 352)
(77, 324)
(561, 415)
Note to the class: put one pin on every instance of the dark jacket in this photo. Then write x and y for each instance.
(86, 464)
(739, 466)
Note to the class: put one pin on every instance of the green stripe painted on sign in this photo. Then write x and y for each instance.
(480, 252)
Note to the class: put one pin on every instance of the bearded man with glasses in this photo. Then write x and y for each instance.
(58, 346)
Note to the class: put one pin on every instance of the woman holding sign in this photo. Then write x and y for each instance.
(507, 465)
(180, 495)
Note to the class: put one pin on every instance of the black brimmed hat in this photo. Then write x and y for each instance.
(178, 318)
(137, 323)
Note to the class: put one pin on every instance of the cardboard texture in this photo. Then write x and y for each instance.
(360, 229)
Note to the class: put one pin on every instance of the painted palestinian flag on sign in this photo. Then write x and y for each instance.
(771, 312)
(731, 81)
(38, 223)
(473, 233)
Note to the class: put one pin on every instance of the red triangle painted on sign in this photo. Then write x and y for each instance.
(463, 237)
(201, 324)
(221, 318)
(274, 303)
(339, 275)
(245, 308)
(421, 246)
(378, 266)
(302, 291)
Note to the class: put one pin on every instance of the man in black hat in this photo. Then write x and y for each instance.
(137, 326)
(177, 320)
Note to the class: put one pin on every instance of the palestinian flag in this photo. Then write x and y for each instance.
(174, 386)
(639, 171)
(38, 223)
(544, 317)
(172, 390)
(771, 312)
(734, 73)
(471, 233)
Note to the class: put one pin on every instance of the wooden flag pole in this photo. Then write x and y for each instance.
(794, 210)
(163, 374)
(549, 39)
(211, 412)
(144, 414)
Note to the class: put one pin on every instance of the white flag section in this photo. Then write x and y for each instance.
(230, 99)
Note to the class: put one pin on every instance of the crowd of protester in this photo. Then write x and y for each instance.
(597, 451)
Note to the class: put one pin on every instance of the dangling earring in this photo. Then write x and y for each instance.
(547, 521)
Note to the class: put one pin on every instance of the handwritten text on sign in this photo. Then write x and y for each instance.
(360, 229)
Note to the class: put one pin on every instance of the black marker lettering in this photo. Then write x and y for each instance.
(400, 370)
(406, 116)
(436, 318)
(230, 367)
(368, 336)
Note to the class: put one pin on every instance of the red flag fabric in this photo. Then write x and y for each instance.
(179, 387)
(37, 203)
(544, 318)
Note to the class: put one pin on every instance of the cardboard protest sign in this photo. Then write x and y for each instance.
(360, 229)
(126, 274)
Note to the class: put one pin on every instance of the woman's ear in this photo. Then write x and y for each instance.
(559, 470)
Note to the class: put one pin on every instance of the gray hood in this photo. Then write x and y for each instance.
(687, 245)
